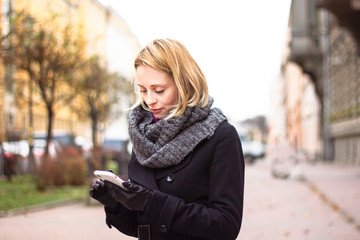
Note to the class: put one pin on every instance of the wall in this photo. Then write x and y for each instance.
(344, 96)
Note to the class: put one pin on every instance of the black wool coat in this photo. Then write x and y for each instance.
(200, 198)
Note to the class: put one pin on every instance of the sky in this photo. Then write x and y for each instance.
(238, 44)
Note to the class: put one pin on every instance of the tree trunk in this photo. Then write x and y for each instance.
(49, 130)
(94, 130)
(31, 156)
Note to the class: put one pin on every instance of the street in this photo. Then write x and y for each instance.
(274, 209)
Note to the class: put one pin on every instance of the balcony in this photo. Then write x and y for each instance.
(304, 44)
(347, 13)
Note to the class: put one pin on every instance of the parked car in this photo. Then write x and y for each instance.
(20, 148)
(14, 158)
(252, 149)
(62, 138)
(39, 148)
(63, 142)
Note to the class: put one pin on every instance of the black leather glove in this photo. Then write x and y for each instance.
(99, 192)
(135, 198)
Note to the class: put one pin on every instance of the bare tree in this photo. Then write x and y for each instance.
(3, 49)
(47, 52)
(99, 93)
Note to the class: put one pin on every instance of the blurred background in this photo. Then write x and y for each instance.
(285, 73)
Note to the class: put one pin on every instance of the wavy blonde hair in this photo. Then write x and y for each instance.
(171, 57)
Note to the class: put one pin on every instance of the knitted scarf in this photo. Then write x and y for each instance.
(167, 142)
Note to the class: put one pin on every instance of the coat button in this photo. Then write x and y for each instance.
(163, 228)
(170, 178)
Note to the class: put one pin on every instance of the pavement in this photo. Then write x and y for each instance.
(317, 201)
(70, 222)
(337, 186)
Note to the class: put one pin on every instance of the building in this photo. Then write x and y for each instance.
(108, 36)
(321, 69)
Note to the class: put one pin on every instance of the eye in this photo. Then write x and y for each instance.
(159, 91)
(142, 90)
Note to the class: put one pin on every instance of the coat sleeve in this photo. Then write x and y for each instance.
(221, 218)
(123, 220)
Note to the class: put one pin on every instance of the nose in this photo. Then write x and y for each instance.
(150, 99)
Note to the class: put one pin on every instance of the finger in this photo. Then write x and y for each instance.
(91, 193)
(115, 191)
(100, 183)
(131, 186)
(127, 184)
(95, 186)
(110, 185)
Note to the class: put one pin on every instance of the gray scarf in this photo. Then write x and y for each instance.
(167, 142)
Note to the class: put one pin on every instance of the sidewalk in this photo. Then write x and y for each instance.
(320, 201)
(71, 222)
(338, 186)
(291, 208)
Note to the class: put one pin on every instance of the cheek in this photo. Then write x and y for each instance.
(172, 98)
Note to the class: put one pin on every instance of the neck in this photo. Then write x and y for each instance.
(155, 119)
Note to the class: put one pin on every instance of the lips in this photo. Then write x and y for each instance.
(156, 110)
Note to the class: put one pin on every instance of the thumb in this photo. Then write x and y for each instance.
(131, 187)
(128, 185)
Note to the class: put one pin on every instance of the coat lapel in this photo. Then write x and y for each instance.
(163, 172)
(141, 174)
(148, 176)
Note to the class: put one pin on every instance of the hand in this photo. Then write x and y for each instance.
(135, 198)
(99, 192)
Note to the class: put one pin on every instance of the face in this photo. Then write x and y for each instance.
(157, 89)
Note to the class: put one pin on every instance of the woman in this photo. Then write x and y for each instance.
(187, 170)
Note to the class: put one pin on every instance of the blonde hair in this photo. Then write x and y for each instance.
(171, 57)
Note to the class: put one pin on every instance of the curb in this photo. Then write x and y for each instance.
(39, 207)
(334, 206)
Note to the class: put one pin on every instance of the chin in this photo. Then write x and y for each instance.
(161, 115)
(158, 116)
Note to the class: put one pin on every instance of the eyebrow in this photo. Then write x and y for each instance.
(153, 85)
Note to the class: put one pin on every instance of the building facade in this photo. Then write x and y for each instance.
(107, 36)
(324, 47)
